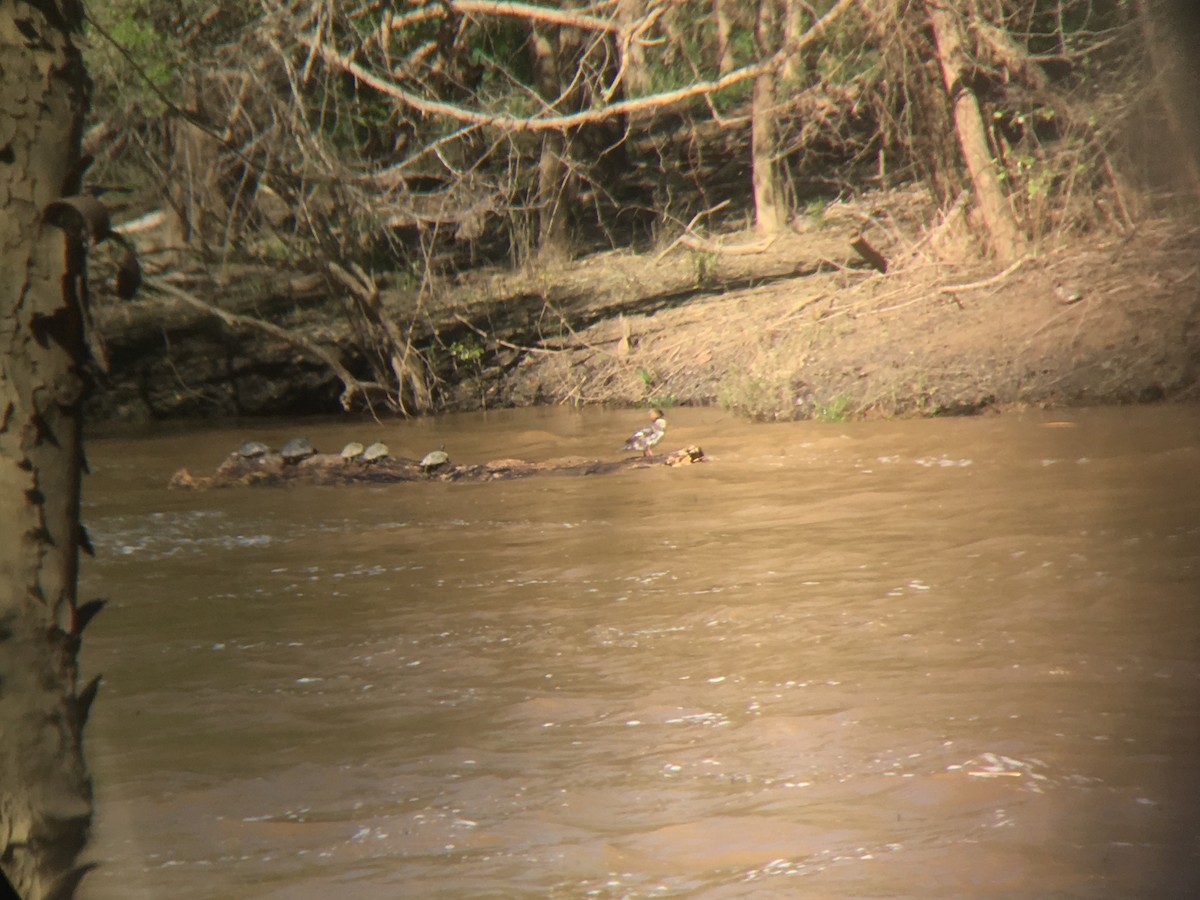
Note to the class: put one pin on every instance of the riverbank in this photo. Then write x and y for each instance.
(800, 328)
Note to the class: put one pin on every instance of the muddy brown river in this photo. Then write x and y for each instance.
(947, 658)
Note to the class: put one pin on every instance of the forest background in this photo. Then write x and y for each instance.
(461, 204)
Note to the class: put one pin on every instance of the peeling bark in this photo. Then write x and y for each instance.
(45, 791)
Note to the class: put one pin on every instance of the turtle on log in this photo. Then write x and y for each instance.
(434, 460)
(253, 450)
(296, 450)
(376, 452)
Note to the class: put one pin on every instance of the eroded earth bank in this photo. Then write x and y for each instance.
(798, 327)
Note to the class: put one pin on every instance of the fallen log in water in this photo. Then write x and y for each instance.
(330, 468)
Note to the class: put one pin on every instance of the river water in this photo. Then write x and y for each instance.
(908, 659)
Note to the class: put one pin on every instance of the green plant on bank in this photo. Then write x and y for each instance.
(467, 351)
(836, 409)
(914, 399)
(271, 248)
(704, 267)
(654, 399)
(814, 211)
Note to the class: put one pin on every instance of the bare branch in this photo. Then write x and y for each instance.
(564, 17)
(516, 123)
(986, 282)
(539, 122)
(687, 229)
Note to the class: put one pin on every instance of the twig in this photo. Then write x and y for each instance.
(799, 307)
(697, 243)
(687, 229)
(987, 282)
(934, 235)
(503, 343)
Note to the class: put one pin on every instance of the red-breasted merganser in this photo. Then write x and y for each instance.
(647, 437)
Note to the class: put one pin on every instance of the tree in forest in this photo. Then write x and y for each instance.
(769, 215)
(45, 790)
(368, 127)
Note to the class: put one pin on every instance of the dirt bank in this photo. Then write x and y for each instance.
(801, 328)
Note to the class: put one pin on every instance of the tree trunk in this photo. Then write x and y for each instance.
(634, 74)
(1171, 83)
(45, 791)
(795, 15)
(197, 210)
(769, 216)
(1004, 236)
(723, 15)
(554, 179)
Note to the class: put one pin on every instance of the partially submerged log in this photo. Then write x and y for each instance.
(330, 468)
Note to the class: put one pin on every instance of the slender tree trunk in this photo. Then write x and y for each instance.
(635, 75)
(793, 28)
(769, 215)
(554, 180)
(45, 791)
(198, 212)
(723, 15)
(1170, 73)
(1004, 236)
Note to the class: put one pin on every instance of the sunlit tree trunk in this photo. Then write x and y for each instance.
(769, 215)
(554, 182)
(635, 76)
(795, 15)
(45, 791)
(723, 12)
(1004, 236)
(197, 211)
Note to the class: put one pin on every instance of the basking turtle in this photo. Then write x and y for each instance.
(375, 452)
(253, 450)
(647, 437)
(352, 450)
(434, 460)
(296, 449)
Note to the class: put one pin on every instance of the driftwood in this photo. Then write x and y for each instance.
(864, 249)
(330, 468)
